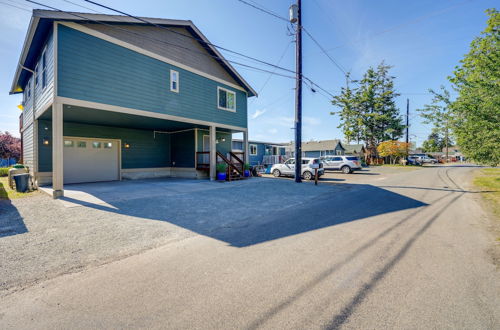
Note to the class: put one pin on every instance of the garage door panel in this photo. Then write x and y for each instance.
(91, 160)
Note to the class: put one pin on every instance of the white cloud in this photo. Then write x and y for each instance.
(257, 113)
(272, 131)
(312, 121)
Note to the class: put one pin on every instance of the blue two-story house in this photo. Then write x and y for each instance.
(109, 97)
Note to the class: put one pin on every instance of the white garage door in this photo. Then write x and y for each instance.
(91, 160)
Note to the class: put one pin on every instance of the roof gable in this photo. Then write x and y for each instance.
(215, 63)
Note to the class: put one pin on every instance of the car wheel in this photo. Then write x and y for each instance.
(307, 175)
(277, 173)
(346, 169)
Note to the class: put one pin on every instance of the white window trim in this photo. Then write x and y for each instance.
(176, 90)
(227, 91)
(250, 149)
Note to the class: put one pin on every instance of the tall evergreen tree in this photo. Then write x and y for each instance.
(368, 111)
(476, 111)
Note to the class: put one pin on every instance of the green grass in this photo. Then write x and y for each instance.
(4, 171)
(488, 180)
(7, 193)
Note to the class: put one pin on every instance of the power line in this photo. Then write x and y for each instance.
(161, 41)
(165, 42)
(264, 10)
(186, 36)
(14, 6)
(324, 52)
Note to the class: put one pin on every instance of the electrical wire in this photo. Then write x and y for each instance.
(264, 10)
(162, 41)
(186, 36)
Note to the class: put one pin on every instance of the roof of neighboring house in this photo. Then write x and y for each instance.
(319, 145)
(353, 148)
(42, 21)
(274, 144)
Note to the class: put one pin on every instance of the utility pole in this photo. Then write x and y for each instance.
(407, 128)
(296, 16)
(446, 140)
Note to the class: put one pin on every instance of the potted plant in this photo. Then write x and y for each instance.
(247, 170)
(221, 171)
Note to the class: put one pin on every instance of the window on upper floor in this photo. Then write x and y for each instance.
(37, 73)
(253, 149)
(226, 99)
(44, 69)
(174, 81)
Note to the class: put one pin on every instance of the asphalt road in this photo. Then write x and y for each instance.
(403, 251)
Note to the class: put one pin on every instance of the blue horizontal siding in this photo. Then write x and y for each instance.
(95, 70)
(146, 150)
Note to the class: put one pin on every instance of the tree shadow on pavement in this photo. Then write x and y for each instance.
(11, 222)
(249, 214)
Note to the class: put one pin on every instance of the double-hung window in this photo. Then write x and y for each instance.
(226, 99)
(174, 81)
(253, 149)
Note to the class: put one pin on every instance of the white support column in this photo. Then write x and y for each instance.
(57, 150)
(245, 147)
(213, 153)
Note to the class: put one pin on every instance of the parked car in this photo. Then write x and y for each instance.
(414, 160)
(288, 168)
(346, 164)
(428, 160)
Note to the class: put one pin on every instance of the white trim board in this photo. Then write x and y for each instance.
(115, 108)
(142, 51)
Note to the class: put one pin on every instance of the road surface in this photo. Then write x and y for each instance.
(408, 251)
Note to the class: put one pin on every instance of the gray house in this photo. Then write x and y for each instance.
(107, 97)
(318, 148)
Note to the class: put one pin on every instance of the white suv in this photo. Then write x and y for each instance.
(347, 164)
(288, 168)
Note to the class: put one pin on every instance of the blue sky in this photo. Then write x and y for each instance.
(423, 40)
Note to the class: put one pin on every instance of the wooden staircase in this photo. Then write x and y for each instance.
(235, 165)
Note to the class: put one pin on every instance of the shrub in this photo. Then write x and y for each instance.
(4, 171)
(221, 168)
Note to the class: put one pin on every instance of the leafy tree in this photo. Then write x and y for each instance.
(368, 112)
(393, 150)
(476, 111)
(435, 142)
(438, 113)
(10, 146)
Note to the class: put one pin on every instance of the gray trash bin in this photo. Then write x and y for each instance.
(22, 182)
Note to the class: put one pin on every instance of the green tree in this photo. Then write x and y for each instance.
(368, 111)
(476, 111)
(435, 142)
(438, 113)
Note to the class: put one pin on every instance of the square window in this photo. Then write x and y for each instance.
(68, 143)
(226, 99)
(81, 144)
(108, 145)
(96, 145)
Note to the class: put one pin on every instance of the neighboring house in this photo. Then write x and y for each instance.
(108, 97)
(318, 148)
(354, 149)
(262, 153)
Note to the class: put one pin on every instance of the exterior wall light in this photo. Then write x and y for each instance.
(45, 141)
(127, 145)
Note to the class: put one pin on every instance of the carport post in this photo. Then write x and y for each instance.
(213, 155)
(57, 150)
(245, 147)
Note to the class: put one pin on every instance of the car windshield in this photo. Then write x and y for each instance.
(352, 158)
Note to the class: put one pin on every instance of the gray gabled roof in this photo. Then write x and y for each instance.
(51, 15)
(318, 145)
(353, 148)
